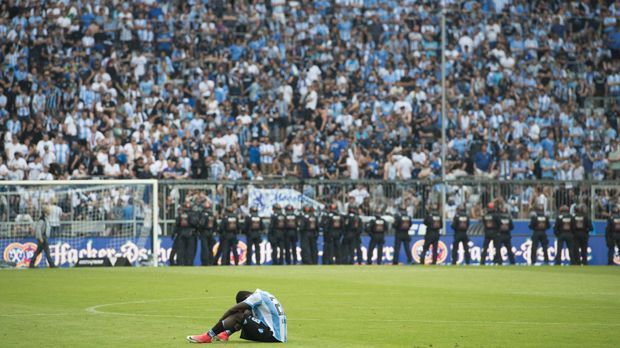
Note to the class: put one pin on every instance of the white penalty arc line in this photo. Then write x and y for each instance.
(35, 314)
(96, 310)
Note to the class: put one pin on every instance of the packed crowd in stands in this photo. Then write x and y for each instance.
(231, 90)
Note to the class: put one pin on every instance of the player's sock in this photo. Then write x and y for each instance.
(219, 327)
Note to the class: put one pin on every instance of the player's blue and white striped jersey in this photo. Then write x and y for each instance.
(266, 308)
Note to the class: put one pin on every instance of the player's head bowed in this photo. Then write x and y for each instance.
(242, 295)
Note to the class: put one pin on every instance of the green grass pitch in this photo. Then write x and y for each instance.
(326, 306)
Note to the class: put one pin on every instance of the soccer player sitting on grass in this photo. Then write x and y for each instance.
(258, 315)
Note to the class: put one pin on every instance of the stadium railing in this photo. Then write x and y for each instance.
(521, 196)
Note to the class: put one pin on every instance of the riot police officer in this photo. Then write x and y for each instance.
(402, 224)
(333, 223)
(581, 231)
(309, 232)
(290, 237)
(277, 228)
(612, 234)
(539, 224)
(563, 231)
(254, 226)
(207, 229)
(229, 228)
(357, 244)
(504, 237)
(489, 222)
(185, 241)
(433, 227)
(460, 225)
(352, 231)
(377, 229)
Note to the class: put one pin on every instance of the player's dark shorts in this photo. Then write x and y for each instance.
(253, 329)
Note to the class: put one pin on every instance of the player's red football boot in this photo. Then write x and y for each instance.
(222, 336)
(204, 338)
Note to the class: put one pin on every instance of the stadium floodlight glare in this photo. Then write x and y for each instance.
(123, 212)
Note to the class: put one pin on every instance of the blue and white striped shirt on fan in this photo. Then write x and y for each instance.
(62, 153)
(267, 309)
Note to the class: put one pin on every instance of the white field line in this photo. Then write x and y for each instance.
(462, 322)
(35, 314)
(96, 310)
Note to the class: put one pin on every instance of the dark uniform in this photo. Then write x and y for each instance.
(290, 236)
(581, 229)
(309, 232)
(357, 244)
(253, 226)
(402, 224)
(352, 232)
(460, 225)
(185, 240)
(612, 235)
(539, 224)
(504, 238)
(431, 238)
(333, 223)
(563, 231)
(229, 228)
(489, 222)
(377, 229)
(277, 228)
(207, 230)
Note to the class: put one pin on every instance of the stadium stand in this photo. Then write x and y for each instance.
(344, 89)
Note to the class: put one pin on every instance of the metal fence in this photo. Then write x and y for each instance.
(75, 211)
(521, 197)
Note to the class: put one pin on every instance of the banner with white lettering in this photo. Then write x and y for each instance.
(265, 199)
(65, 253)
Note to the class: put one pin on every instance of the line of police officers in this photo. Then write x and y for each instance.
(342, 235)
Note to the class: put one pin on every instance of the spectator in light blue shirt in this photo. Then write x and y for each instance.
(599, 167)
(577, 134)
(460, 143)
(535, 149)
(548, 144)
(548, 167)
